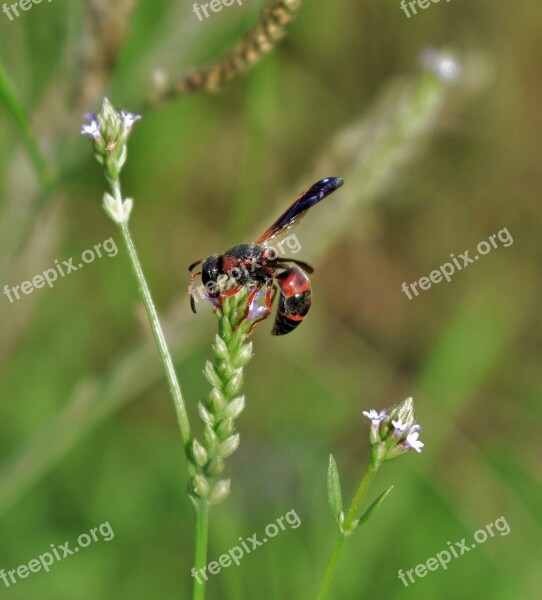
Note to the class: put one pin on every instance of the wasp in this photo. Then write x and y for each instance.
(258, 266)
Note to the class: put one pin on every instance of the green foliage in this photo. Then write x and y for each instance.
(372, 509)
(209, 172)
(334, 493)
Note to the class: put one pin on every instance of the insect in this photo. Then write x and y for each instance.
(258, 266)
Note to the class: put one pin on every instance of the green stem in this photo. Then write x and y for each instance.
(346, 527)
(200, 555)
(15, 109)
(202, 507)
(331, 567)
(360, 494)
(154, 321)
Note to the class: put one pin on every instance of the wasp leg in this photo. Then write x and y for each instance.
(231, 292)
(218, 300)
(192, 291)
(263, 312)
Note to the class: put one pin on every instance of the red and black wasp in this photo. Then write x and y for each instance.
(258, 265)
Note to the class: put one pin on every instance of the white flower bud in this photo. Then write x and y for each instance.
(127, 208)
(220, 491)
(221, 349)
(200, 486)
(212, 376)
(229, 446)
(199, 453)
(216, 466)
(243, 356)
(235, 383)
(235, 407)
(205, 415)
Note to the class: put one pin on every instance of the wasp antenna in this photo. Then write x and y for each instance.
(194, 264)
(193, 304)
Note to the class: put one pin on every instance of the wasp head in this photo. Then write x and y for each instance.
(210, 271)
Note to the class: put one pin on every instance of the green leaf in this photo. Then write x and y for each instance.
(334, 489)
(9, 100)
(369, 512)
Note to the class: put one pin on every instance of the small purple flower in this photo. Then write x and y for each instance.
(394, 431)
(128, 119)
(257, 311)
(213, 301)
(90, 116)
(92, 130)
(412, 441)
(375, 417)
(399, 428)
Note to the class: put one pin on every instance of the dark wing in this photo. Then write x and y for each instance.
(297, 211)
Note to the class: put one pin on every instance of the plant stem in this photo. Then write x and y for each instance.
(331, 567)
(8, 97)
(202, 506)
(200, 555)
(360, 494)
(165, 356)
(345, 529)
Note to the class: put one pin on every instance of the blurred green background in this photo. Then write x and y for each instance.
(88, 431)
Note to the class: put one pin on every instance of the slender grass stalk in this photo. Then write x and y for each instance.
(154, 321)
(9, 98)
(200, 555)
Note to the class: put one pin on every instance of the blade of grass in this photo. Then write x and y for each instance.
(9, 99)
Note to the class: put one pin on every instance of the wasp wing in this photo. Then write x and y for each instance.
(297, 211)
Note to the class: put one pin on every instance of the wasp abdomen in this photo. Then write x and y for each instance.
(295, 300)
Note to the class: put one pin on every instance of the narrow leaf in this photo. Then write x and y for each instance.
(334, 488)
(369, 512)
(9, 100)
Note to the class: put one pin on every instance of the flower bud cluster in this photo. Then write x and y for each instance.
(394, 431)
(224, 403)
(108, 131)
